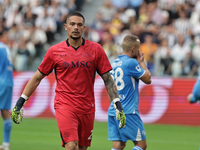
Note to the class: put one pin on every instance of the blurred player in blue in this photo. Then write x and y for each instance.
(128, 68)
(195, 95)
(6, 87)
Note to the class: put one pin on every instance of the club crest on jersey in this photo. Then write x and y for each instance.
(87, 54)
(65, 65)
(138, 68)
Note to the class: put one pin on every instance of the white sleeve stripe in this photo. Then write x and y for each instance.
(141, 75)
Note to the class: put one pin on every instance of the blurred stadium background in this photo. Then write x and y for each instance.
(169, 31)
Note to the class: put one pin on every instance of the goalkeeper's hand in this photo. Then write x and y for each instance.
(17, 111)
(120, 115)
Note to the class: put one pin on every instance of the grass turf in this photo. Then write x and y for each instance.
(42, 134)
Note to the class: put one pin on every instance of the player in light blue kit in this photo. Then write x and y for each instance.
(6, 87)
(195, 95)
(128, 68)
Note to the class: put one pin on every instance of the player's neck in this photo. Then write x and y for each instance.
(75, 42)
(128, 54)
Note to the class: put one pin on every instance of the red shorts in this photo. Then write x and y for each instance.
(75, 127)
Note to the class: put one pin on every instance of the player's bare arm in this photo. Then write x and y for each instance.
(146, 78)
(17, 112)
(33, 83)
(110, 86)
(114, 96)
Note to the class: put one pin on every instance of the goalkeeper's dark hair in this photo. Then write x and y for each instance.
(129, 41)
(75, 14)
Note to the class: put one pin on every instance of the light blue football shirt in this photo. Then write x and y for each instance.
(6, 67)
(126, 73)
(196, 90)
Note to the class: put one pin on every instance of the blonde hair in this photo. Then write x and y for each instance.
(130, 41)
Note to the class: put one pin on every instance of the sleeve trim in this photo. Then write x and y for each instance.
(42, 72)
(105, 72)
(141, 75)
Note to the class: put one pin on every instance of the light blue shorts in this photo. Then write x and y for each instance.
(134, 129)
(5, 97)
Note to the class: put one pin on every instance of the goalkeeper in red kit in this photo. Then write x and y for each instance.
(75, 62)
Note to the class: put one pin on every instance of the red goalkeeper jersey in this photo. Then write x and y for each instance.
(75, 70)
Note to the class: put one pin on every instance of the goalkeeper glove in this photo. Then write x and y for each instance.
(119, 113)
(17, 112)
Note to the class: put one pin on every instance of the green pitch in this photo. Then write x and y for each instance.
(42, 134)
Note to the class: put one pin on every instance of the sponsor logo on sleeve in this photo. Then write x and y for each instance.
(138, 68)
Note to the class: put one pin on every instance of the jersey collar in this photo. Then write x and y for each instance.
(124, 56)
(83, 43)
